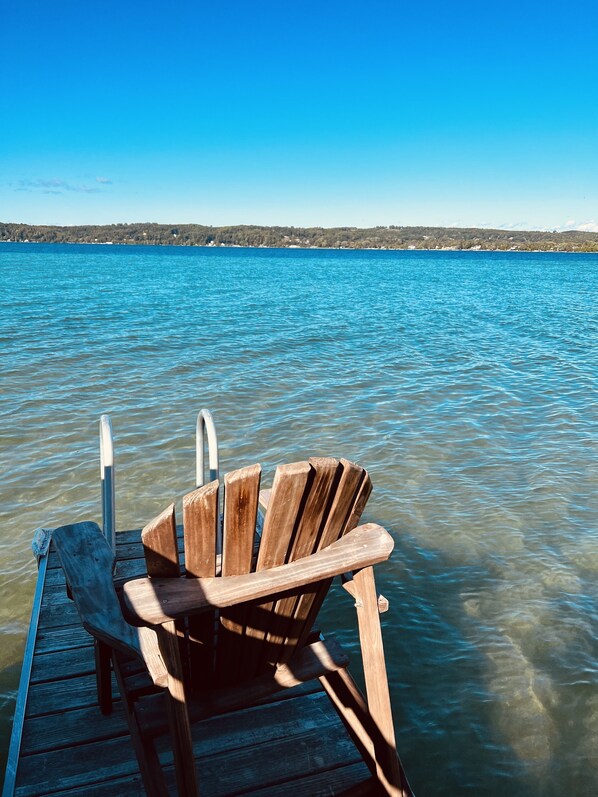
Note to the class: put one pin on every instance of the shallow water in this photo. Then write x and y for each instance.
(464, 382)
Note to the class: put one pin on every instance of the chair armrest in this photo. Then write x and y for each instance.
(87, 560)
(154, 601)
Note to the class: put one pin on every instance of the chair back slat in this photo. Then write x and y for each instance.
(200, 524)
(160, 546)
(241, 495)
(354, 491)
(339, 508)
(326, 472)
(288, 494)
(342, 504)
(286, 499)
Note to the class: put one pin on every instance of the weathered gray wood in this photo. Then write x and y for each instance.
(63, 664)
(260, 747)
(127, 786)
(353, 780)
(56, 639)
(278, 763)
(63, 694)
(159, 600)
(87, 559)
(127, 568)
(70, 728)
(85, 764)
(60, 615)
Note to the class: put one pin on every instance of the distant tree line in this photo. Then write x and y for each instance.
(393, 237)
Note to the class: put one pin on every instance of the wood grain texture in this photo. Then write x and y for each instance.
(87, 561)
(156, 601)
(284, 510)
(389, 770)
(180, 728)
(160, 546)
(309, 536)
(347, 504)
(325, 473)
(319, 658)
(200, 523)
(241, 495)
(381, 759)
(285, 502)
(241, 492)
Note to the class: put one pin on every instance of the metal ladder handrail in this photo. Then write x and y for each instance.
(204, 428)
(205, 424)
(107, 481)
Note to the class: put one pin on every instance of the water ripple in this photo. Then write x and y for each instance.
(465, 383)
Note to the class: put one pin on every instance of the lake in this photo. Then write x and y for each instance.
(465, 383)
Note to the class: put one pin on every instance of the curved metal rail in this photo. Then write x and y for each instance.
(107, 480)
(205, 425)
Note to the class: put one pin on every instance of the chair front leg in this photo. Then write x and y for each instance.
(376, 680)
(178, 716)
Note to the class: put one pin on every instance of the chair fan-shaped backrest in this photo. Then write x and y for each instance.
(311, 505)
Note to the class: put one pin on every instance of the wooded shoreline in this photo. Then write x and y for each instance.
(393, 237)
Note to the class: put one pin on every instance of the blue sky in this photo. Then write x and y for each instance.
(304, 113)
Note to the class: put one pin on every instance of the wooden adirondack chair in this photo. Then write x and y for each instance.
(233, 626)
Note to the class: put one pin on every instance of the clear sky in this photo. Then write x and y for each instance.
(304, 113)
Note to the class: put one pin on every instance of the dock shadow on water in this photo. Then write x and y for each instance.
(464, 382)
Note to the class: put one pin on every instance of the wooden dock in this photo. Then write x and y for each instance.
(62, 745)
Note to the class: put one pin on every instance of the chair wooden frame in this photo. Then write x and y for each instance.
(167, 622)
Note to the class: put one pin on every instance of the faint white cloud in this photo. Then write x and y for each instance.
(104, 180)
(516, 225)
(55, 186)
(586, 226)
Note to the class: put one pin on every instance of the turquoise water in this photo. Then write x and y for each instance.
(464, 382)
